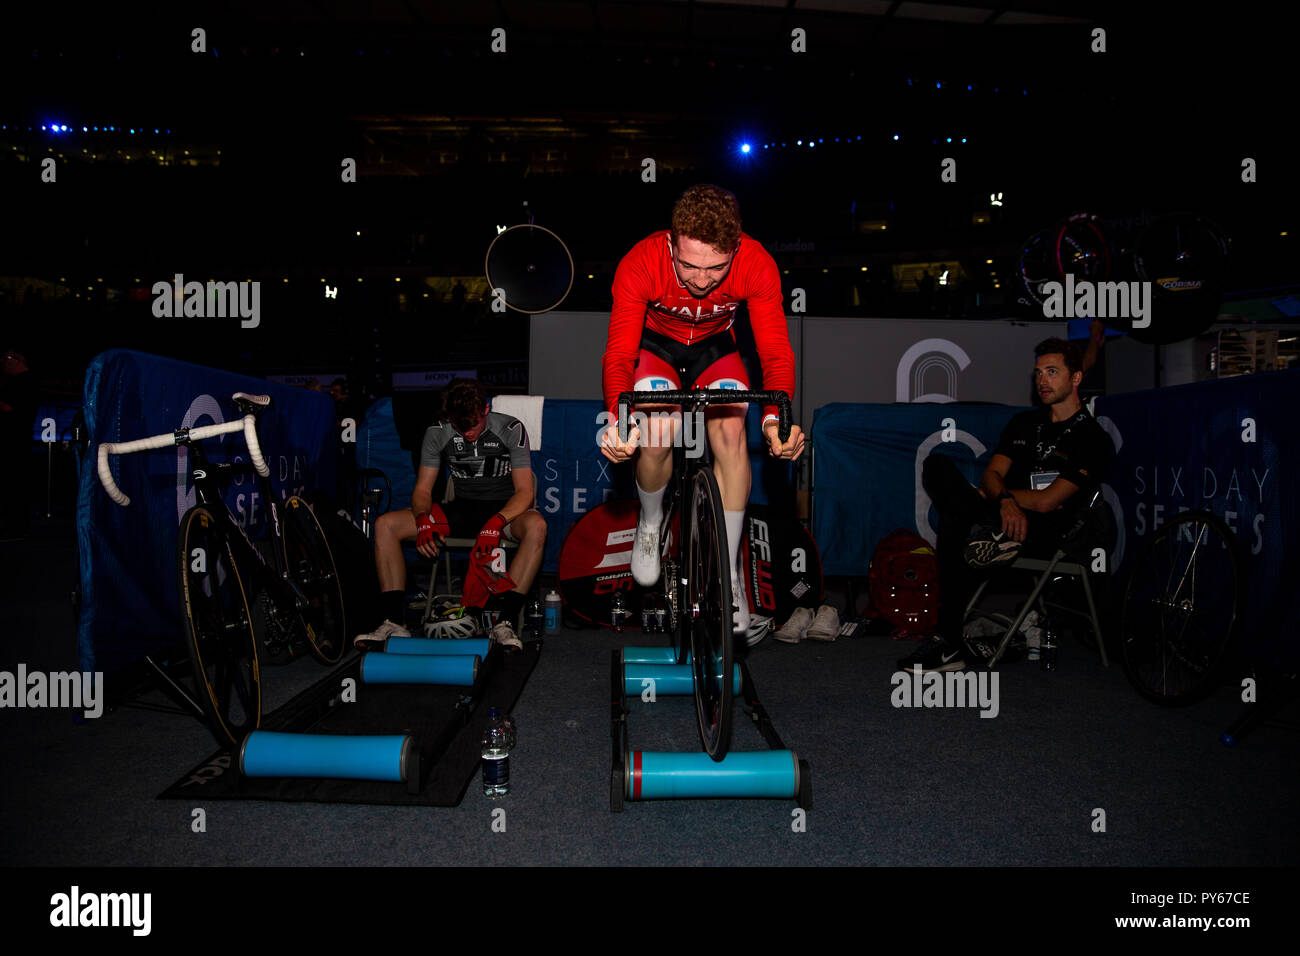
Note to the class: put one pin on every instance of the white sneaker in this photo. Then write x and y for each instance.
(375, 639)
(793, 630)
(645, 556)
(825, 626)
(504, 635)
(739, 607)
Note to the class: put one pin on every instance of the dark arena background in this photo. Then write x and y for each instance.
(921, 174)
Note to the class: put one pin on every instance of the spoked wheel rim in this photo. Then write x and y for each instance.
(709, 615)
(310, 566)
(1182, 609)
(222, 645)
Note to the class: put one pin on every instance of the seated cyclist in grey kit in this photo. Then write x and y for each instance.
(487, 456)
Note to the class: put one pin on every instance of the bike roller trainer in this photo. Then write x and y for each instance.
(395, 758)
(699, 660)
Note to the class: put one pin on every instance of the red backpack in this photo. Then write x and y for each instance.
(903, 584)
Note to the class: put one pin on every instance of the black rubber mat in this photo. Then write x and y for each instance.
(447, 723)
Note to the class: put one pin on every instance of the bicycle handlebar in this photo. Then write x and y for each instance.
(247, 424)
(705, 396)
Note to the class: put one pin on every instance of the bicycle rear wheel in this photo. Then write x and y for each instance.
(310, 565)
(218, 627)
(708, 612)
(1182, 609)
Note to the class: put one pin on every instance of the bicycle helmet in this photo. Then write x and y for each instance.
(452, 623)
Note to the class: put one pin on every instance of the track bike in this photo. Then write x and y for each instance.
(229, 591)
(696, 576)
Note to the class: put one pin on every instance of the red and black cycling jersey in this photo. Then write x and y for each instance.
(649, 295)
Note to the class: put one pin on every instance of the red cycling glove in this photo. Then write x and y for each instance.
(489, 538)
(430, 523)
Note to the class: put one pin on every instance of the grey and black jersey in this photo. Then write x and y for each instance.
(481, 469)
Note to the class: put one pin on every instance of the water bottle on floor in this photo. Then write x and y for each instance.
(535, 621)
(498, 741)
(618, 612)
(552, 612)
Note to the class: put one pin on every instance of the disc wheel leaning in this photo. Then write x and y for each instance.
(1182, 609)
(218, 628)
(310, 565)
(708, 613)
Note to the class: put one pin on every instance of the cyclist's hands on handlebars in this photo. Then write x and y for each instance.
(793, 446)
(615, 450)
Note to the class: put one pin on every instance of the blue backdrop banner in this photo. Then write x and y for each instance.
(867, 470)
(1228, 447)
(130, 602)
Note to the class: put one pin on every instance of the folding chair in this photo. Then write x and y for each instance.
(1047, 570)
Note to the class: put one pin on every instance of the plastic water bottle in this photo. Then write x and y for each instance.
(618, 612)
(498, 741)
(535, 621)
(1047, 650)
(552, 612)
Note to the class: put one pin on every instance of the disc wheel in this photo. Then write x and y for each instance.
(1182, 609)
(218, 628)
(708, 614)
(310, 566)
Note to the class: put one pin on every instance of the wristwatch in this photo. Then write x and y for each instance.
(1006, 494)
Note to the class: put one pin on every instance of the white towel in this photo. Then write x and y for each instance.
(526, 408)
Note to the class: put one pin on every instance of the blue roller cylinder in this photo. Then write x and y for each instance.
(654, 775)
(652, 655)
(268, 754)
(458, 670)
(427, 645)
(670, 680)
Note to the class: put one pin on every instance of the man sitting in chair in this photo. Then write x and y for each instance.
(1034, 498)
(487, 458)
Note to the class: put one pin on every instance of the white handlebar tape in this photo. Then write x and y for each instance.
(106, 478)
(254, 449)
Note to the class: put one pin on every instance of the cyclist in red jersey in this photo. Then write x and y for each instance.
(675, 299)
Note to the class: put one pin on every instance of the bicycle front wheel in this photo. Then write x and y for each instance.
(1182, 609)
(218, 628)
(709, 615)
(314, 578)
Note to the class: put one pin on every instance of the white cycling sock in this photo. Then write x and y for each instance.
(735, 521)
(652, 502)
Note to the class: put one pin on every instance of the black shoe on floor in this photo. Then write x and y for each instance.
(934, 655)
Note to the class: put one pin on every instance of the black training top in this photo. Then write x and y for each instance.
(1076, 449)
(481, 469)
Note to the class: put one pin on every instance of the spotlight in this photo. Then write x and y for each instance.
(744, 148)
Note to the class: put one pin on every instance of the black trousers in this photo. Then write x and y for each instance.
(960, 509)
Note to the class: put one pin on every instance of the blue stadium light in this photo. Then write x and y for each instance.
(950, 139)
(820, 140)
(859, 137)
(744, 147)
(963, 139)
(84, 130)
(133, 131)
(895, 137)
(969, 87)
(938, 86)
(155, 132)
(811, 144)
(798, 142)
